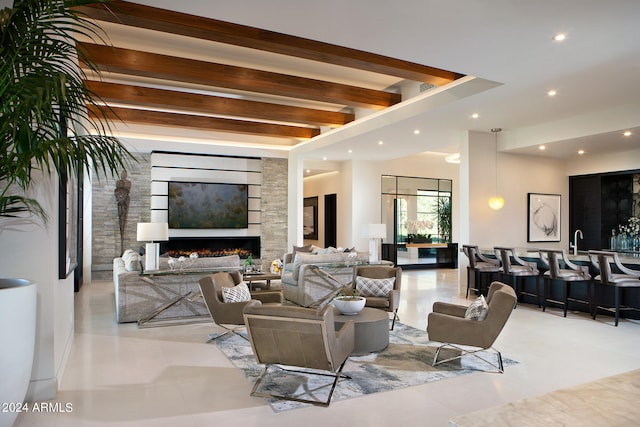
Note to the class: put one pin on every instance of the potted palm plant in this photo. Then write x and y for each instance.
(45, 128)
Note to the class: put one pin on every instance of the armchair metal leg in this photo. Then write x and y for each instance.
(214, 336)
(499, 366)
(336, 376)
(393, 321)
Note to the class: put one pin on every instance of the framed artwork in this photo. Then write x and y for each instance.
(543, 220)
(310, 218)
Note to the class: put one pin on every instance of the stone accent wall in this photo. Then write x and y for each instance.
(105, 224)
(274, 217)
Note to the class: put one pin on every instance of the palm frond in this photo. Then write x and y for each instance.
(44, 121)
(14, 206)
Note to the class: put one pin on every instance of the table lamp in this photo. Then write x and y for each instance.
(152, 232)
(374, 232)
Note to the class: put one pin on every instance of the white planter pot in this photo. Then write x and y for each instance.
(349, 306)
(18, 298)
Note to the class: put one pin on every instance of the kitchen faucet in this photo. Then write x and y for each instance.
(575, 241)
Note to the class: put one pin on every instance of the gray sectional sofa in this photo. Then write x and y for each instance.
(305, 284)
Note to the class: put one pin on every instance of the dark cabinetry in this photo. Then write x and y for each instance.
(598, 204)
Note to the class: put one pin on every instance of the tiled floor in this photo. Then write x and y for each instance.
(119, 375)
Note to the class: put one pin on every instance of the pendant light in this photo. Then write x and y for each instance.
(496, 202)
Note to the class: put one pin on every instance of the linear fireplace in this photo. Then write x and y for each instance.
(212, 246)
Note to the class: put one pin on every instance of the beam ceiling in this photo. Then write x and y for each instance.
(153, 86)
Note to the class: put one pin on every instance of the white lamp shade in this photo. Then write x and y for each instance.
(374, 231)
(153, 231)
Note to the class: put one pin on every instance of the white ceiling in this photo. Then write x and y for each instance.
(596, 70)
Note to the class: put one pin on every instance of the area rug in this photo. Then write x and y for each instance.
(404, 363)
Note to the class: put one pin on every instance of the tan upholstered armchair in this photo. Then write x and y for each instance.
(447, 324)
(390, 302)
(229, 313)
(300, 337)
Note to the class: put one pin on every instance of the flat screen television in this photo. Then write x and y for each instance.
(208, 205)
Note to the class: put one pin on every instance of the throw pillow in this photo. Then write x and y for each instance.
(374, 287)
(477, 310)
(238, 293)
(299, 249)
(131, 260)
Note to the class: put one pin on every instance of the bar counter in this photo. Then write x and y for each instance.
(631, 296)
(629, 258)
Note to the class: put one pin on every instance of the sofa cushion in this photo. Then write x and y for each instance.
(302, 249)
(238, 293)
(368, 287)
(477, 310)
(131, 260)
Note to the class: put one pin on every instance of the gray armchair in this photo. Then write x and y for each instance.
(388, 303)
(229, 313)
(447, 325)
(300, 337)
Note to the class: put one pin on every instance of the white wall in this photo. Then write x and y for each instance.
(517, 176)
(25, 244)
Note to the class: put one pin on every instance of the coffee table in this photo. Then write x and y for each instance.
(371, 329)
(260, 277)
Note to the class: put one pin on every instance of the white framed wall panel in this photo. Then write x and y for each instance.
(166, 167)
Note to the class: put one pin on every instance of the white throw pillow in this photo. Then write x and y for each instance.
(368, 287)
(238, 293)
(477, 310)
(131, 260)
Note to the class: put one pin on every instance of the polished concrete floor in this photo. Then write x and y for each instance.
(119, 375)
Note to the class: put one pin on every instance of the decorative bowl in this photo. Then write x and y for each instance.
(349, 305)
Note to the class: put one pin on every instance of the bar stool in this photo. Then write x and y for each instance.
(519, 269)
(573, 273)
(481, 266)
(627, 279)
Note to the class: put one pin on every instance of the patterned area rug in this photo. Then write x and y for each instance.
(404, 363)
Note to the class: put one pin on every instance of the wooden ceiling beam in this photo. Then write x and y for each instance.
(157, 118)
(215, 105)
(153, 65)
(168, 21)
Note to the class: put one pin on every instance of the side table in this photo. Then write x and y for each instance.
(371, 329)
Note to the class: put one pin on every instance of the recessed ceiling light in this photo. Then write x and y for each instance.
(580, 152)
(627, 133)
(552, 93)
(475, 115)
(416, 132)
(308, 170)
(380, 142)
(324, 158)
(542, 148)
(559, 37)
(350, 151)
